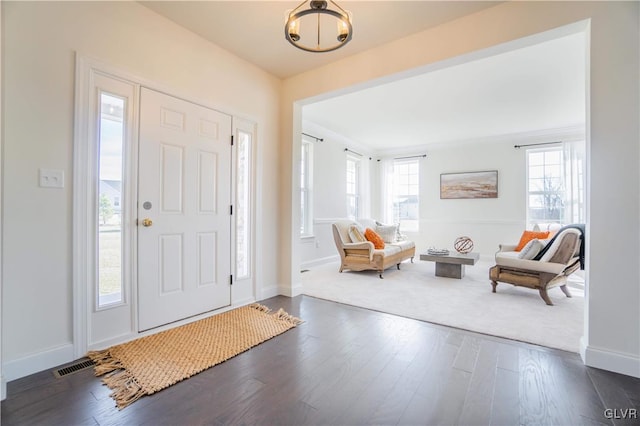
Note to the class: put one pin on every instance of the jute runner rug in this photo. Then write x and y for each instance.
(149, 364)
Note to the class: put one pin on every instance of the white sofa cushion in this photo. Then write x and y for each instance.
(510, 259)
(390, 250)
(404, 245)
(387, 232)
(531, 249)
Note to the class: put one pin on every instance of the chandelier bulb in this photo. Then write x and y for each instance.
(343, 31)
(294, 30)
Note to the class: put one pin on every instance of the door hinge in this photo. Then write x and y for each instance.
(230, 279)
(231, 209)
(231, 140)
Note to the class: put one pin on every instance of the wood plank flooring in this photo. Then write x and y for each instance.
(352, 366)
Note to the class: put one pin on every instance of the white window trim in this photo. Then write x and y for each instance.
(393, 195)
(307, 218)
(245, 126)
(358, 181)
(85, 196)
(529, 220)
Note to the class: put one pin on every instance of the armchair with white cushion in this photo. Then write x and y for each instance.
(547, 268)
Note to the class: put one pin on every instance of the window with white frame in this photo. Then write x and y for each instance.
(555, 184)
(244, 173)
(353, 187)
(545, 186)
(406, 193)
(111, 141)
(306, 189)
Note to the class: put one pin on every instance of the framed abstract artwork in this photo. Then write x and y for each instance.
(469, 185)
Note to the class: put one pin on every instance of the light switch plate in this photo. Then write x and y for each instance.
(50, 178)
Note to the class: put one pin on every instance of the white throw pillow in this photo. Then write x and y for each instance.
(531, 249)
(387, 232)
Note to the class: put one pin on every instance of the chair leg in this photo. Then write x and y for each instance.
(381, 277)
(545, 296)
(398, 266)
(565, 290)
(494, 284)
(411, 259)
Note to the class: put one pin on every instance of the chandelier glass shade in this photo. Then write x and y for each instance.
(310, 29)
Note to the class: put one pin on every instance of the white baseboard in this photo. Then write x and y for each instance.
(270, 291)
(293, 291)
(280, 290)
(321, 261)
(611, 361)
(34, 363)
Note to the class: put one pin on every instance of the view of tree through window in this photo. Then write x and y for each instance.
(546, 192)
(111, 146)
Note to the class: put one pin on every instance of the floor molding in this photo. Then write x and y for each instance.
(609, 360)
(34, 363)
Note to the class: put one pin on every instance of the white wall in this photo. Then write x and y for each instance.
(39, 44)
(612, 336)
(330, 191)
(487, 222)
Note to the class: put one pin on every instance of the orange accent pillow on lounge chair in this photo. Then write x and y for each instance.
(530, 235)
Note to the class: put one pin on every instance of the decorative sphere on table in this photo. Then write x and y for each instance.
(463, 245)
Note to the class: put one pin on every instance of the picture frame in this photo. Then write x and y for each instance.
(482, 184)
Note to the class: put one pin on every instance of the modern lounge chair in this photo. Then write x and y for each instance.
(550, 268)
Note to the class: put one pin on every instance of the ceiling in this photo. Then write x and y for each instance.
(535, 88)
(254, 30)
(524, 91)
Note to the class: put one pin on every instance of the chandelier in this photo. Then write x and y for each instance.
(306, 28)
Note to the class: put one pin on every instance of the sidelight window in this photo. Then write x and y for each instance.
(111, 136)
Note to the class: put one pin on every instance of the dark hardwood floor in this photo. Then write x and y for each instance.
(352, 366)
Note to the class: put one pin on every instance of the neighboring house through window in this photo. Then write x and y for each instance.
(402, 192)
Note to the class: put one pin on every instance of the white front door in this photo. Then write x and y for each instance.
(184, 218)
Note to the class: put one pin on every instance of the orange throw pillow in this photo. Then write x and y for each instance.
(373, 236)
(530, 235)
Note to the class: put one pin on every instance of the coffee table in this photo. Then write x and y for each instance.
(452, 264)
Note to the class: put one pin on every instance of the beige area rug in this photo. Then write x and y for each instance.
(149, 364)
(415, 292)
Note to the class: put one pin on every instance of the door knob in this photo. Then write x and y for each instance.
(147, 222)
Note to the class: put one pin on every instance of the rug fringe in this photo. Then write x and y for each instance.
(284, 316)
(261, 308)
(104, 362)
(125, 389)
(281, 314)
